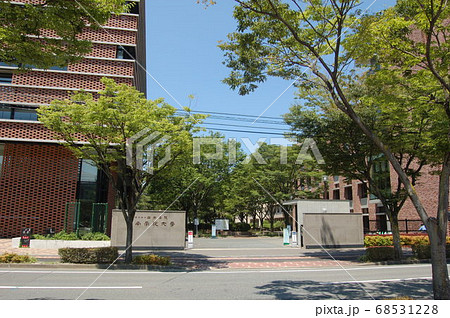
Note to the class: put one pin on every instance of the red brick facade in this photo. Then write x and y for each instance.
(36, 181)
(64, 80)
(38, 176)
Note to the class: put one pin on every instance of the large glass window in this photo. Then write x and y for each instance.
(92, 188)
(25, 114)
(14, 112)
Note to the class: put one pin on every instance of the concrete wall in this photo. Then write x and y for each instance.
(318, 206)
(152, 229)
(333, 230)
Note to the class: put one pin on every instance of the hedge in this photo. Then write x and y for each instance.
(386, 240)
(423, 251)
(99, 255)
(151, 259)
(378, 254)
(15, 258)
(96, 236)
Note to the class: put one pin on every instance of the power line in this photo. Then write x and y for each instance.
(232, 114)
(243, 126)
(250, 132)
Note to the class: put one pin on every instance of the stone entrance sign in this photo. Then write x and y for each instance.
(151, 229)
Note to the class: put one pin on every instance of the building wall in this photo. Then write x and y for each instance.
(39, 176)
(36, 181)
(427, 187)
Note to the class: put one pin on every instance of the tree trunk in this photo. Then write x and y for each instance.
(441, 282)
(398, 253)
(129, 242)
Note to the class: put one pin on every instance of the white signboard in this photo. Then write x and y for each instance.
(222, 224)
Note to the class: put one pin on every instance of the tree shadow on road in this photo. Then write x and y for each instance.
(181, 261)
(352, 255)
(313, 290)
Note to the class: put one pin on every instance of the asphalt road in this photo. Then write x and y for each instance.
(356, 282)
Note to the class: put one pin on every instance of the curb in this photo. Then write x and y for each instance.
(58, 266)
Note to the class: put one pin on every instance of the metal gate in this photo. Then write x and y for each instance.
(99, 219)
(72, 217)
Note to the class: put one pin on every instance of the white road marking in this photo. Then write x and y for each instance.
(70, 287)
(376, 280)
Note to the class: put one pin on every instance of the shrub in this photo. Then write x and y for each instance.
(240, 227)
(382, 240)
(370, 241)
(151, 259)
(99, 255)
(64, 236)
(15, 258)
(423, 250)
(96, 236)
(378, 254)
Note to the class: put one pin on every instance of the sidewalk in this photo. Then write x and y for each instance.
(229, 253)
(5, 247)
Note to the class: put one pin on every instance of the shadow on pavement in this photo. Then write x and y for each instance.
(350, 255)
(312, 290)
(181, 261)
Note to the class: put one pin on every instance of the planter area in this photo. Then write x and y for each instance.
(56, 244)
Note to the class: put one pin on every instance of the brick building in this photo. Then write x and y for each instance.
(39, 177)
(374, 214)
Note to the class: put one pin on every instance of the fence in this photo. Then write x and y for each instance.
(98, 219)
(382, 226)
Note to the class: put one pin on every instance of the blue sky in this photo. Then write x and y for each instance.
(183, 57)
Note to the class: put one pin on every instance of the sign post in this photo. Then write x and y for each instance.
(294, 238)
(213, 231)
(25, 237)
(196, 223)
(190, 239)
(286, 236)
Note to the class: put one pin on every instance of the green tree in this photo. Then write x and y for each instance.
(204, 177)
(269, 176)
(46, 34)
(106, 124)
(349, 153)
(285, 38)
(408, 43)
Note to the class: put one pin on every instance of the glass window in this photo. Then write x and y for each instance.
(5, 78)
(348, 193)
(5, 112)
(25, 114)
(336, 195)
(134, 7)
(58, 68)
(2, 150)
(362, 190)
(6, 64)
(126, 52)
(88, 171)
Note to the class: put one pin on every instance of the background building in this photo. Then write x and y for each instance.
(39, 177)
(374, 213)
